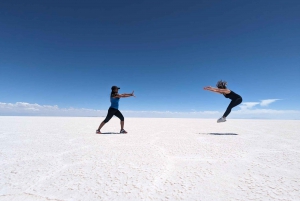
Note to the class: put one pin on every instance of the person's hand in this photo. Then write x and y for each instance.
(132, 94)
(207, 88)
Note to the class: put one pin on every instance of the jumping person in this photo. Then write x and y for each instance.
(114, 108)
(222, 89)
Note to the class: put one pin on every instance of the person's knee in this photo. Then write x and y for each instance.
(121, 117)
(105, 121)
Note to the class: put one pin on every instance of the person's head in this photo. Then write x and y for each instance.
(221, 84)
(114, 90)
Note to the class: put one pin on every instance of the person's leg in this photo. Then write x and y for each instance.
(101, 125)
(109, 115)
(231, 105)
(122, 125)
(121, 117)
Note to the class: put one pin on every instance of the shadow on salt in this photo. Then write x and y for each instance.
(218, 133)
(110, 133)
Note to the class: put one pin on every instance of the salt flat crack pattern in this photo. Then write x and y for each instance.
(61, 159)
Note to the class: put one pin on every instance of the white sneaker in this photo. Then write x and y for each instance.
(222, 119)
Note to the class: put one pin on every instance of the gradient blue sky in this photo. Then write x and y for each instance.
(70, 53)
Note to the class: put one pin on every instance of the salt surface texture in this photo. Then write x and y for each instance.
(61, 158)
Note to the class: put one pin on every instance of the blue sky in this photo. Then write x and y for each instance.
(67, 54)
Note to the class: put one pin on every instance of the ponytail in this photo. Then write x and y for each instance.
(112, 94)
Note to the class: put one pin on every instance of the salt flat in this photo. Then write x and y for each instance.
(61, 158)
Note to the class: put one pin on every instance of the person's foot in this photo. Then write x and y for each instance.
(123, 131)
(222, 119)
(98, 132)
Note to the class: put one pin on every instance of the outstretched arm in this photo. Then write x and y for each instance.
(128, 95)
(125, 95)
(216, 90)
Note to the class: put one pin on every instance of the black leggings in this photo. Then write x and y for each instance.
(111, 113)
(231, 105)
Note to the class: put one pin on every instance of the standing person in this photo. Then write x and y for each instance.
(114, 108)
(222, 89)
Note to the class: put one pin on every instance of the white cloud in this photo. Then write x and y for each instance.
(263, 103)
(248, 105)
(169, 114)
(246, 111)
(267, 111)
(21, 108)
(267, 102)
(266, 114)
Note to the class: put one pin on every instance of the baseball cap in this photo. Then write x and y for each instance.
(114, 87)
